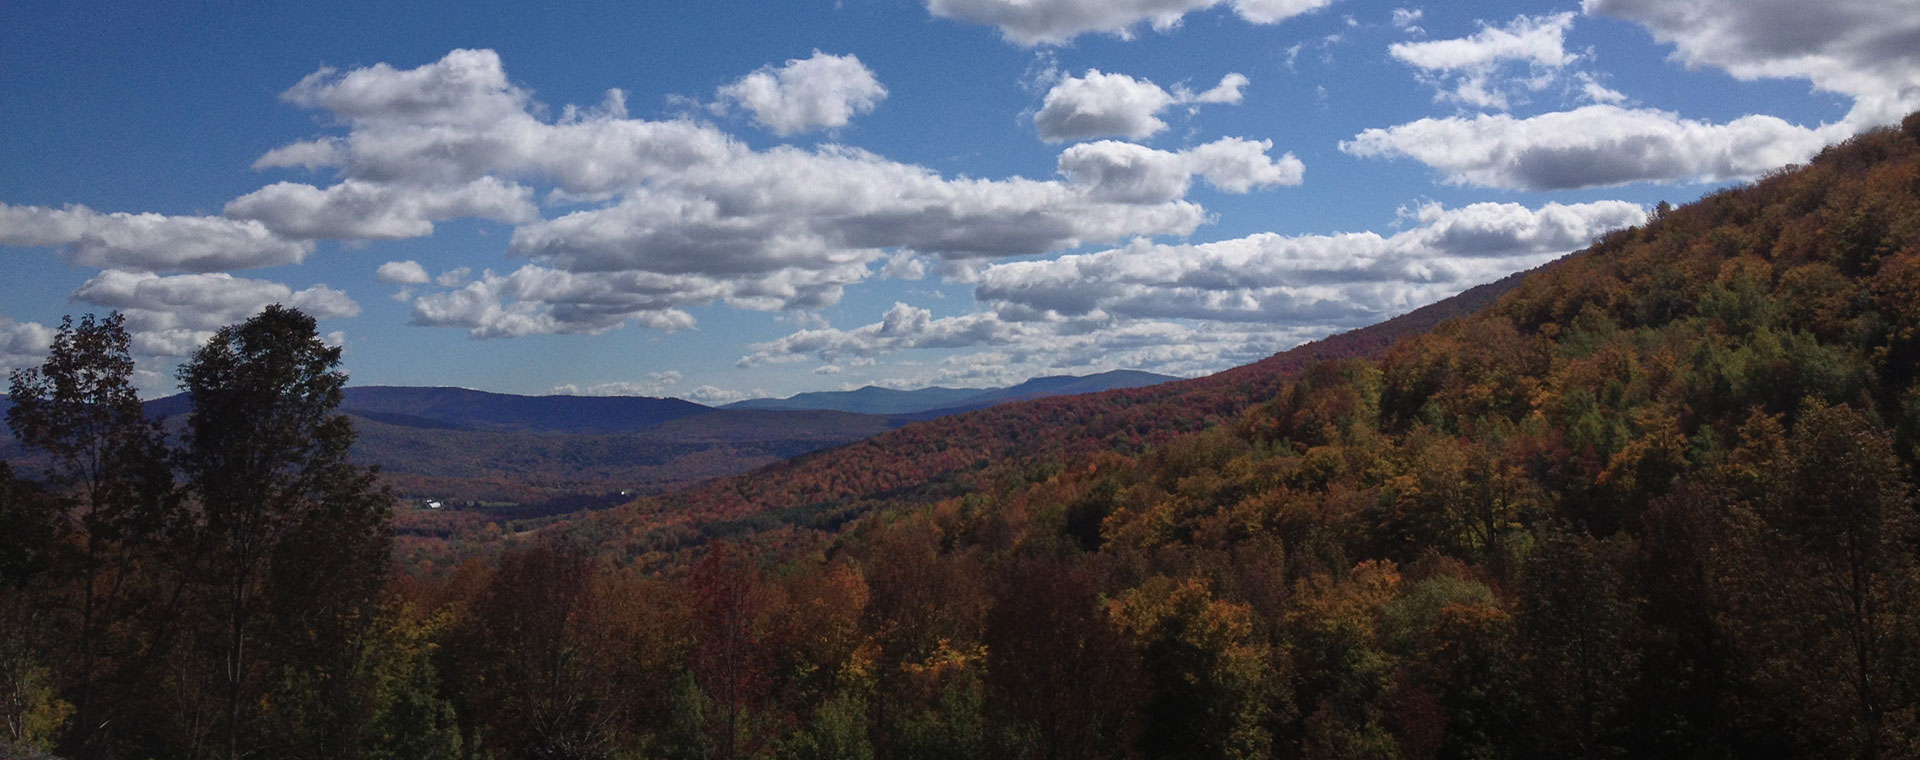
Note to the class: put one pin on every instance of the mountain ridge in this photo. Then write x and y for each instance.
(873, 399)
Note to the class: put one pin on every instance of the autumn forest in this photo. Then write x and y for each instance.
(1655, 499)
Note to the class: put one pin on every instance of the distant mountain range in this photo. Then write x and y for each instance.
(936, 401)
(474, 444)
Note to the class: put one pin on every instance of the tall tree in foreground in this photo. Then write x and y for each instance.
(1822, 591)
(109, 469)
(295, 536)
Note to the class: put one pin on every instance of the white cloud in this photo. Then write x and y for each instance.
(713, 396)
(1868, 50)
(1593, 91)
(467, 87)
(1036, 22)
(1470, 69)
(903, 327)
(1235, 165)
(681, 214)
(23, 344)
(820, 92)
(1592, 146)
(1532, 39)
(1117, 105)
(1347, 279)
(1100, 105)
(402, 273)
(1128, 173)
(535, 299)
(1227, 91)
(1025, 347)
(152, 242)
(1189, 309)
(1408, 20)
(175, 315)
(827, 209)
(654, 384)
(361, 210)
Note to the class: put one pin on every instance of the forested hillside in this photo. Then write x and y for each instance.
(1656, 499)
(980, 450)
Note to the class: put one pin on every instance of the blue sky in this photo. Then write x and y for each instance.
(725, 199)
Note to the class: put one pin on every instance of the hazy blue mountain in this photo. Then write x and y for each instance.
(874, 400)
(500, 412)
(868, 400)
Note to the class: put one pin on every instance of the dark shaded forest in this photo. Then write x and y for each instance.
(1656, 500)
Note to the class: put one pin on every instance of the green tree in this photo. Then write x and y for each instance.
(295, 536)
(1205, 672)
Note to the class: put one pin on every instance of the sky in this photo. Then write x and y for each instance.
(722, 200)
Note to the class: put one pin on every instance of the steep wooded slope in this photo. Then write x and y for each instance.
(967, 452)
(1656, 501)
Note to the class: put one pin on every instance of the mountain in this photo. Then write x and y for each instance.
(501, 412)
(1656, 499)
(971, 452)
(869, 400)
(455, 443)
(937, 400)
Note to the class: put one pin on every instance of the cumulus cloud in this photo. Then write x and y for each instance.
(152, 242)
(174, 315)
(467, 87)
(402, 273)
(1117, 105)
(678, 213)
(537, 299)
(1593, 146)
(23, 344)
(1227, 91)
(1021, 346)
(1868, 50)
(1477, 70)
(654, 384)
(1235, 165)
(1347, 279)
(1186, 309)
(1037, 22)
(360, 210)
(1128, 173)
(715, 396)
(820, 92)
(1408, 19)
(903, 327)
